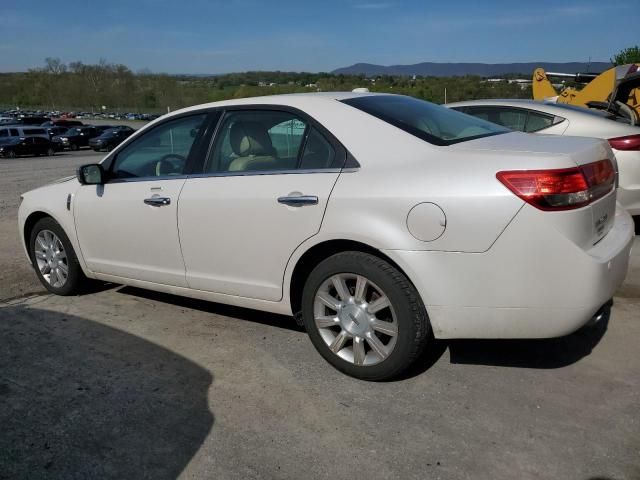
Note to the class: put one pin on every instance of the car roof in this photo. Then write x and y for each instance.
(290, 99)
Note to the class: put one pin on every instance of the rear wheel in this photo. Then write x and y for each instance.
(54, 259)
(364, 316)
(73, 147)
(51, 152)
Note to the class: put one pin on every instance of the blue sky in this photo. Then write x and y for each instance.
(210, 36)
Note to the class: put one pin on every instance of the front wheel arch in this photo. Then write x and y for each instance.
(29, 223)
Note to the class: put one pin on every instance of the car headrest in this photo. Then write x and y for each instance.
(250, 138)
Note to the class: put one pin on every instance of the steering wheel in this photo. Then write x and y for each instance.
(170, 164)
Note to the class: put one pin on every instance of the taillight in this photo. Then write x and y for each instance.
(632, 142)
(561, 189)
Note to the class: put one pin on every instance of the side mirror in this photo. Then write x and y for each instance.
(91, 174)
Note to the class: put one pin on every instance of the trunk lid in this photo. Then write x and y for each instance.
(585, 225)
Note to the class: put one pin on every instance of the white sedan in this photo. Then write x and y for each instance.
(561, 119)
(380, 221)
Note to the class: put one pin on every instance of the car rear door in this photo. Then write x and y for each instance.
(128, 226)
(262, 192)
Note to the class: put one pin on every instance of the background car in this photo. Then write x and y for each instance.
(62, 122)
(561, 119)
(77, 137)
(22, 131)
(54, 131)
(16, 147)
(379, 221)
(110, 138)
(32, 120)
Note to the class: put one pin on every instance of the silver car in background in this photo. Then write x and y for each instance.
(558, 119)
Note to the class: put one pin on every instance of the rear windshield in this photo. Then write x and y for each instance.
(433, 123)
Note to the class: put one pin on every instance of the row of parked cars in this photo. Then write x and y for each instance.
(51, 136)
(31, 115)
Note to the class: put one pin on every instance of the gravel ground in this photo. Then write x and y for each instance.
(124, 383)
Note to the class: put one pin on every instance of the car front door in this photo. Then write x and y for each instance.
(128, 226)
(262, 192)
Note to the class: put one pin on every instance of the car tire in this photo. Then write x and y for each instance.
(51, 252)
(51, 152)
(74, 147)
(344, 334)
(11, 154)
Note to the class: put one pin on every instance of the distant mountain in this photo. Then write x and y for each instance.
(460, 69)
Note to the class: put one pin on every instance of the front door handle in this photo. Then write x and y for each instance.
(157, 201)
(299, 200)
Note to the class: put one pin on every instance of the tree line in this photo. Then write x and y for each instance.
(88, 87)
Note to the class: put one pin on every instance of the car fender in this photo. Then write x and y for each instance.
(55, 200)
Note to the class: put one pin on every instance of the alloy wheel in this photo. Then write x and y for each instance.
(51, 258)
(355, 319)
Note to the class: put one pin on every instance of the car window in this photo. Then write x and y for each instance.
(318, 152)
(484, 113)
(537, 121)
(287, 136)
(163, 151)
(4, 133)
(14, 132)
(512, 118)
(257, 141)
(432, 123)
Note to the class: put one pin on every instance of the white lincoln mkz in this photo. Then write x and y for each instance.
(381, 221)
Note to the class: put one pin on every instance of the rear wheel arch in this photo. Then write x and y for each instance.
(316, 254)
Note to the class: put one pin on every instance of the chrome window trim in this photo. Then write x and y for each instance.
(146, 179)
(234, 174)
(266, 172)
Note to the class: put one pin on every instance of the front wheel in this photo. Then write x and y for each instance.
(11, 154)
(54, 259)
(51, 152)
(74, 147)
(364, 316)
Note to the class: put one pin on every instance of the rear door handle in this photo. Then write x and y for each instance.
(157, 201)
(299, 200)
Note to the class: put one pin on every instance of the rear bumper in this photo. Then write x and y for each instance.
(532, 283)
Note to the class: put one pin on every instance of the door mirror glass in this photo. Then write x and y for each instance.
(91, 174)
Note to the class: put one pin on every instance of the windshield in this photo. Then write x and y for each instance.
(73, 131)
(433, 123)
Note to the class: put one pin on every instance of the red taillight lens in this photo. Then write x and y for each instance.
(632, 142)
(561, 189)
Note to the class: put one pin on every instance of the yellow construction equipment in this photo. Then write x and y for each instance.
(616, 90)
